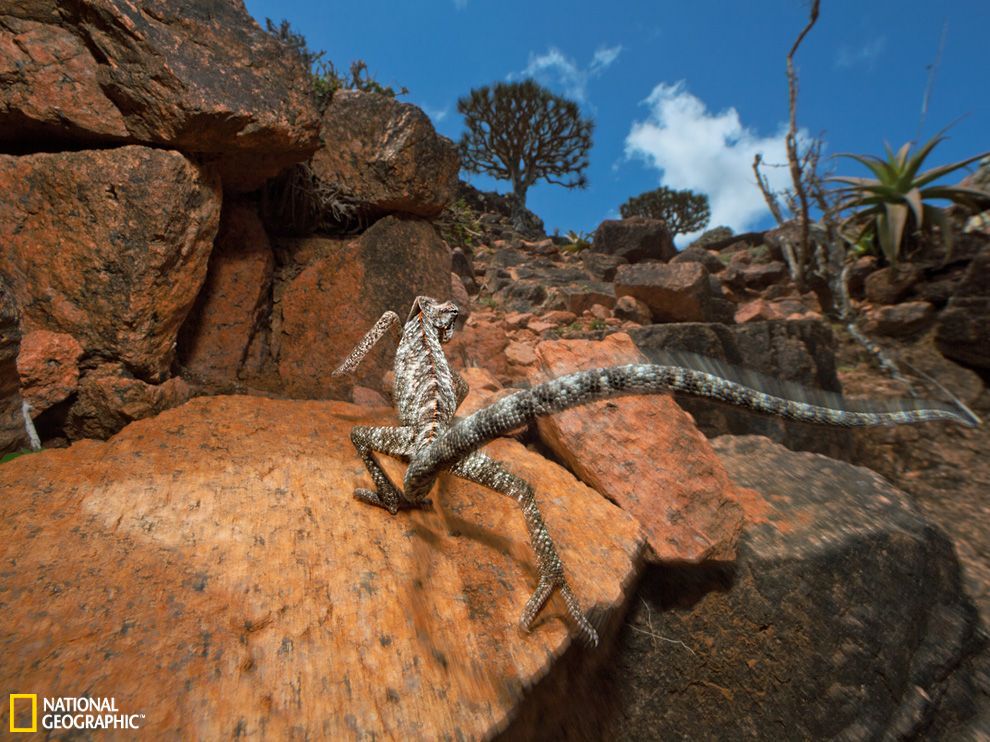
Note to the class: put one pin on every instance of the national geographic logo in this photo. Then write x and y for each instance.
(69, 713)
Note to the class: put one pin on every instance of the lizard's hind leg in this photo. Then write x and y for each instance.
(482, 469)
(392, 441)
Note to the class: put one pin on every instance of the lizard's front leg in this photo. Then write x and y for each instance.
(393, 441)
(479, 468)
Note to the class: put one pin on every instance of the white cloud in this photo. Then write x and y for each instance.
(604, 56)
(707, 153)
(865, 55)
(555, 67)
(460, 4)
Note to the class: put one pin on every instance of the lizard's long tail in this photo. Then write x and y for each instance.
(583, 387)
(364, 346)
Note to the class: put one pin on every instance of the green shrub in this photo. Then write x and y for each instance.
(683, 211)
(890, 208)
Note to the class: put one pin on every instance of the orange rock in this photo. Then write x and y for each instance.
(175, 75)
(386, 154)
(327, 308)
(758, 310)
(109, 398)
(485, 389)
(109, 246)
(482, 343)
(644, 453)
(47, 365)
(214, 342)
(210, 569)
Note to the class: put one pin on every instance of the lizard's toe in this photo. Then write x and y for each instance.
(373, 498)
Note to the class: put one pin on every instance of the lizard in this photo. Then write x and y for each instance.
(428, 391)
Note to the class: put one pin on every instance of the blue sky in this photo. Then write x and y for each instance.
(682, 93)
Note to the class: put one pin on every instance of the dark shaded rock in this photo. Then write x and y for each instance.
(235, 302)
(678, 292)
(963, 331)
(601, 265)
(736, 241)
(497, 212)
(802, 352)
(858, 272)
(842, 617)
(698, 254)
(584, 296)
(889, 285)
(551, 275)
(461, 264)
(109, 398)
(109, 246)
(635, 239)
(386, 155)
(496, 279)
(899, 320)
(197, 76)
(523, 296)
(12, 433)
(755, 276)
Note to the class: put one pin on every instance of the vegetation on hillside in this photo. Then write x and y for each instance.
(324, 77)
(523, 133)
(891, 209)
(683, 211)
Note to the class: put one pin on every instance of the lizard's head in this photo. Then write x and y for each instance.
(440, 315)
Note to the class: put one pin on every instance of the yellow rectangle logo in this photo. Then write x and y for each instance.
(34, 712)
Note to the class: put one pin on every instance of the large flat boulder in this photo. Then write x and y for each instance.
(108, 246)
(197, 76)
(386, 155)
(210, 569)
(842, 617)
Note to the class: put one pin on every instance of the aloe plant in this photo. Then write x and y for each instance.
(887, 206)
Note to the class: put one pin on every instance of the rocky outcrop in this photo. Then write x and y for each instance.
(210, 569)
(678, 292)
(698, 254)
(198, 77)
(802, 352)
(889, 285)
(109, 246)
(385, 155)
(963, 330)
(635, 239)
(669, 480)
(216, 341)
(109, 397)
(339, 290)
(842, 618)
(12, 433)
(48, 367)
(898, 320)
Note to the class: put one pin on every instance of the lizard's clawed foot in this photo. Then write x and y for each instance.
(392, 505)
(543, 591)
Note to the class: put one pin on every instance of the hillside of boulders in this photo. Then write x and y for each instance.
(191, 247)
